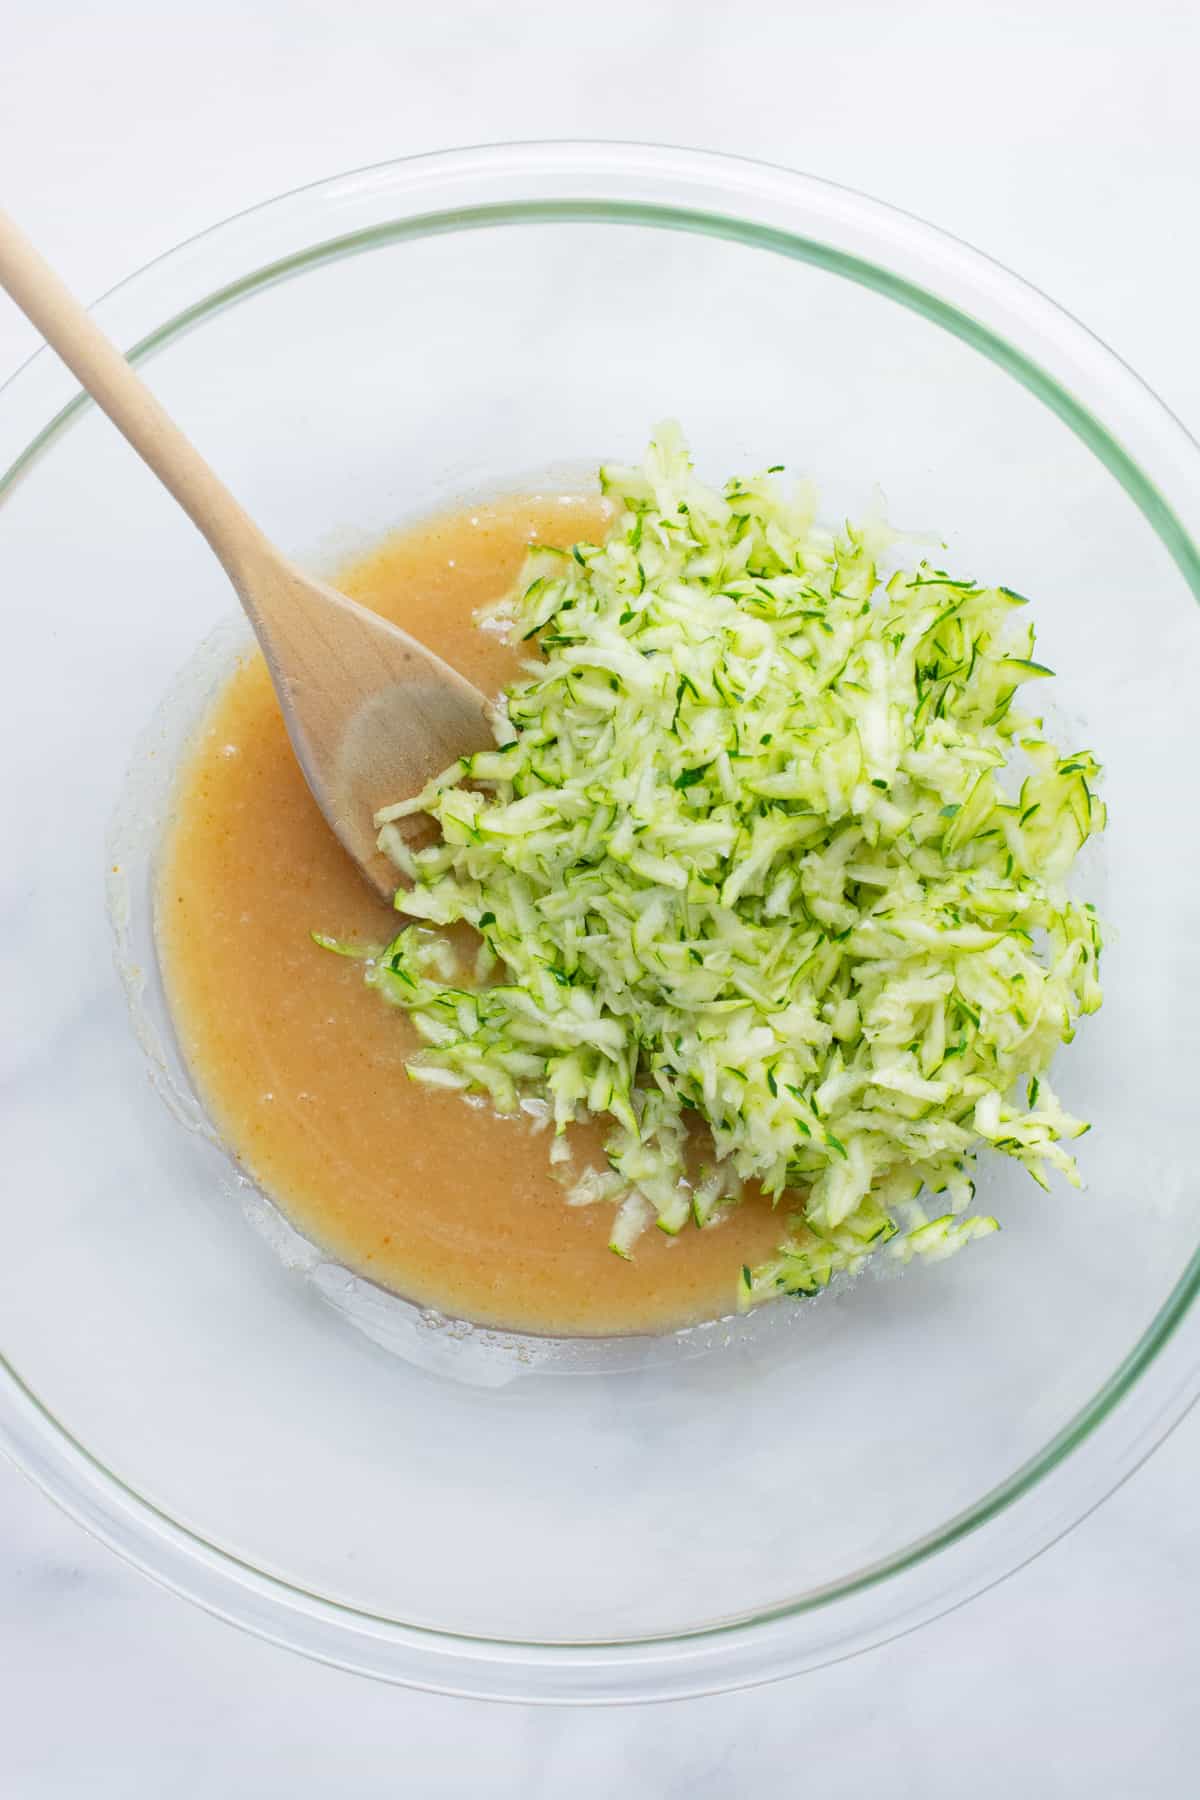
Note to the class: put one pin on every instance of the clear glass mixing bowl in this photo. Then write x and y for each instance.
(401, 1495)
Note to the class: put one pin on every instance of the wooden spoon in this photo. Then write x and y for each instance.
(371, 713)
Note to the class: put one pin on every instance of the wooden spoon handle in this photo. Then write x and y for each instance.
(111, 382)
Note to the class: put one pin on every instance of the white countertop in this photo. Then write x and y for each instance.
(1062, 137)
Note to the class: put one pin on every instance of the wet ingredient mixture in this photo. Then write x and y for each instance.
(302, 1068)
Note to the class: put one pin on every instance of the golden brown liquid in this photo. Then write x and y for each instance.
(302, 1066)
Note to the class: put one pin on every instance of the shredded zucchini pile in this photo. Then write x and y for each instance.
(763, 845)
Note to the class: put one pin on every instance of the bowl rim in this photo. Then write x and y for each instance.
(1157, 463)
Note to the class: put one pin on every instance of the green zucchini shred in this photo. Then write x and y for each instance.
(765, 863)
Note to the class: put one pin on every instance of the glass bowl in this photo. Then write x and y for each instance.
(395, 1492)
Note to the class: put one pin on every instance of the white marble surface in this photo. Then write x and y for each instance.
(1062, 136)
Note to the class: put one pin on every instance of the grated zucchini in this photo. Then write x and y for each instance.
(766, 845)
